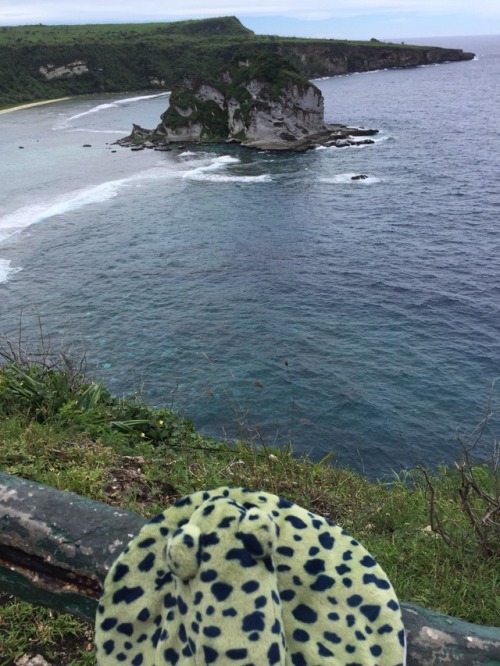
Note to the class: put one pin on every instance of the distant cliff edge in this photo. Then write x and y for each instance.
(46, 62)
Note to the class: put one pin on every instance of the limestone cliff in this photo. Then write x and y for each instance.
(260, 100)
(332, 58)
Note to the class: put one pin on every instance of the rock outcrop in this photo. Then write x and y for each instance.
(260, 101)
(323, 58)
(76, 68)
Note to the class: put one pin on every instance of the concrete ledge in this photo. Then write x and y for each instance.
(56, 549)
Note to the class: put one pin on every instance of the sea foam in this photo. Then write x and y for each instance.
(113, 105)
(25, 216)
(210, 172)
(6, 270)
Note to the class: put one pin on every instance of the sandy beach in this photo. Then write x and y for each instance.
(29, 106)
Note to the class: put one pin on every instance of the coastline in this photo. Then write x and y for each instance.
(32, 104)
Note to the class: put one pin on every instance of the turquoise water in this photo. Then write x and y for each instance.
(272, 292)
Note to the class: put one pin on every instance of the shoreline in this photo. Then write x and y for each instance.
(33, 104)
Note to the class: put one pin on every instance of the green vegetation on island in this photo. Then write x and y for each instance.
(46, 62)
(436, 533)
(222, 107)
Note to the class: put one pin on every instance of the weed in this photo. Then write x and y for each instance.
(59, 638)
(467, 516)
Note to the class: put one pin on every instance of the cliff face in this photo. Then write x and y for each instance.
(296, 114)
(258, 101)
(331, 59)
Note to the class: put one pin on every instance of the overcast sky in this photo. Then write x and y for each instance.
(349, 19)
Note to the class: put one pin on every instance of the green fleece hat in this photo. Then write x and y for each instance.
(231, 576)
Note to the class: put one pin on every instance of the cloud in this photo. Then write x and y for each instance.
(62, 11)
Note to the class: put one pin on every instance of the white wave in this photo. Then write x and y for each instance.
(205, 172)
(347, 178)
(113, 105)
(199, 159)
(20, 219)
(94, 131)
(224, 178)
(211, 161)
(226, 159)
(38, 212)
(6, 270)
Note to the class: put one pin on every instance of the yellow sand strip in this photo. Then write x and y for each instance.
(29, 106)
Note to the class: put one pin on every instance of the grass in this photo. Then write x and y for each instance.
(60, 429)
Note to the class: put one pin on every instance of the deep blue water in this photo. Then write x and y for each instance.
(361, 317)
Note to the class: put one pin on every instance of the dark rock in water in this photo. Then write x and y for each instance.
(361, 176)
(360, 131)
(140, 132)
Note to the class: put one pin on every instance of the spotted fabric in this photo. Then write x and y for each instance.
(231, 576)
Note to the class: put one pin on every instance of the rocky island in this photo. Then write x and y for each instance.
(260, 100)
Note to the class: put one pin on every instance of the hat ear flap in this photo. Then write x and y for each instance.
(258, 532)
(183, 552)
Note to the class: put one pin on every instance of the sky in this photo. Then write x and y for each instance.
(339, 19)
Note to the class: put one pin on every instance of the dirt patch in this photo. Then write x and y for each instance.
(132, 484)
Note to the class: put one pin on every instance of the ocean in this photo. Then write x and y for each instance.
(269, 295)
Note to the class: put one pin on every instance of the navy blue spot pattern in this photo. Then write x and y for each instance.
(147, 563)
(237, 653)
(326, 540)
(287, 595)
(322, 583)
(304, 613)
(245, 605)
(254, 622)
(120, 572)
(286, 551)
(381, 583)
(314, 567)
(127, 594)
(208, 576)
(126, 628)
(221, 591)
(296, 522)
(250, 587)
(109, 623)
